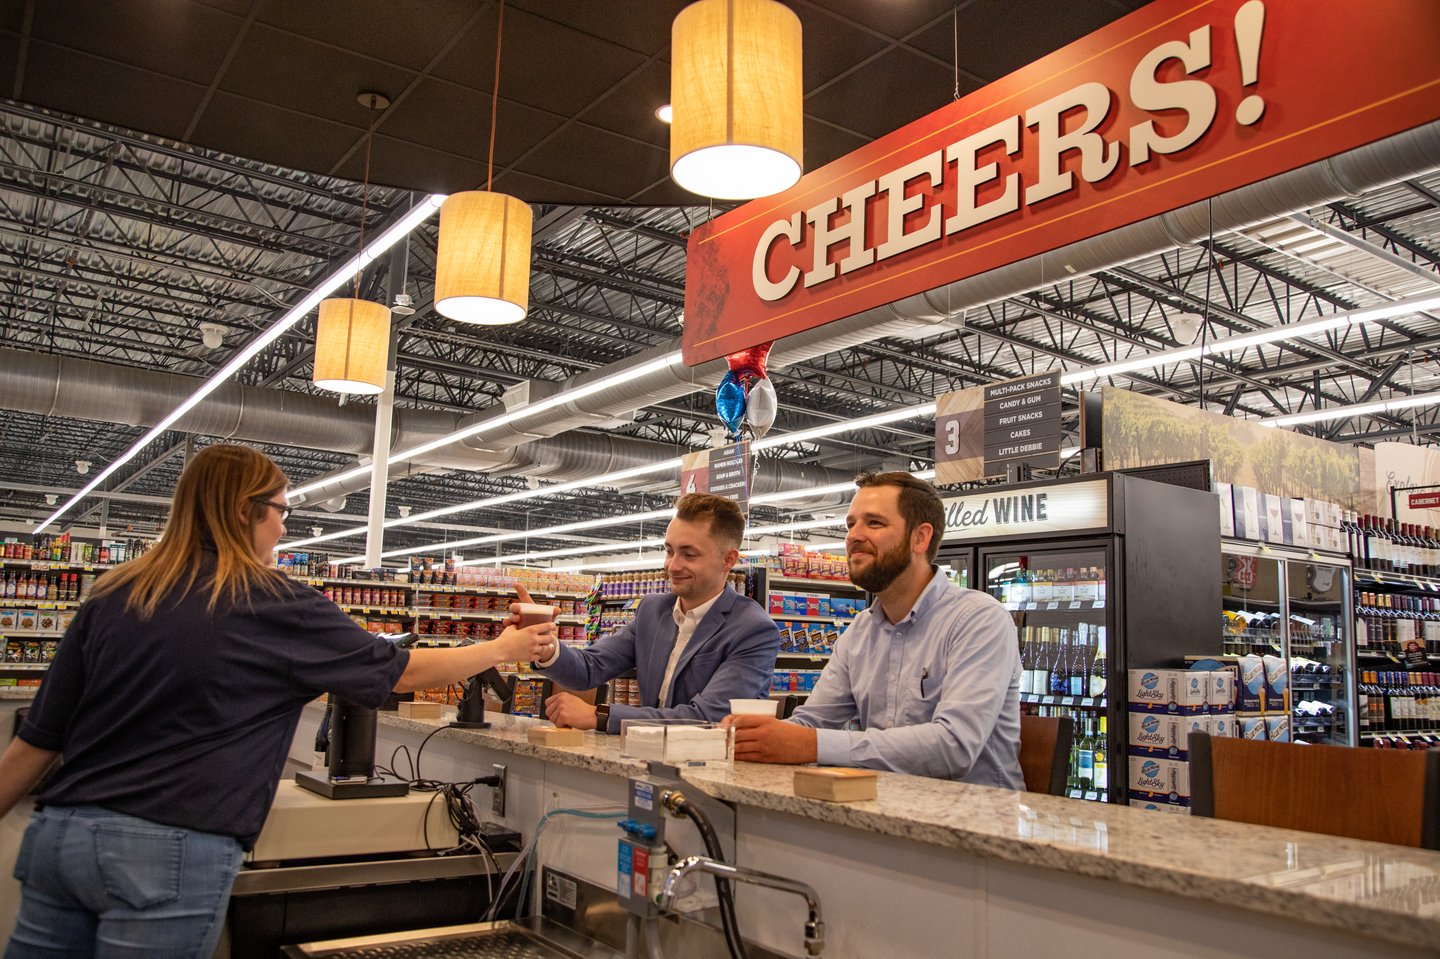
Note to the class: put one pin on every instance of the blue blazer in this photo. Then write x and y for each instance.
(730, 656)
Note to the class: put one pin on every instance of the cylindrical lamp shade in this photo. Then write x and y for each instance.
(352, 342)
(737, 98)
(482, 266)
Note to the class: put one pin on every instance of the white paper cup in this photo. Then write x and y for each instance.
(532, 613)
(755, 707)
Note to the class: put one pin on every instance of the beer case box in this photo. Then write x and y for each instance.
(1250, 727)
(1223, 724)
(1250, 688)
(1156, 775)
(1225, 494)
(1156, 803)
(1166, 737)
(1277, 728)
(1317, 512)
(1152, 690)
(1220, 694)
(1277, 684)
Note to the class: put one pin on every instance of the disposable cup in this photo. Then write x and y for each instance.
(532, 613)
(755, 707)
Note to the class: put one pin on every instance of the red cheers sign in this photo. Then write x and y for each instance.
(1174, 103)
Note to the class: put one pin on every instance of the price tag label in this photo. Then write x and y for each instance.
(1088, 701)
(1052, 605)
(1099, 604)
(1076, 604)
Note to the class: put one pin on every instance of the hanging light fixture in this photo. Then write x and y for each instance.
(737, 98)
(482, 263)
(352, 336)
(352, 341)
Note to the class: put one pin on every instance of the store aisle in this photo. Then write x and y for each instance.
(12, 827)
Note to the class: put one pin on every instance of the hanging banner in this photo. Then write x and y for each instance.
(1174, 103)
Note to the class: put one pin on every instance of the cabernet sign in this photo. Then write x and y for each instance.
(1071, 506)
(1174, 103)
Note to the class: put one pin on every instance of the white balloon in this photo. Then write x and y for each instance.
(760, 407)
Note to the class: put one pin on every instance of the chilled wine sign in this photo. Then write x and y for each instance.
(1178, 101)
(1064, 507)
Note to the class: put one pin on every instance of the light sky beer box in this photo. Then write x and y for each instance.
(1173, 691)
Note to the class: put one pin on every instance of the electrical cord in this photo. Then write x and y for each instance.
(680, 806)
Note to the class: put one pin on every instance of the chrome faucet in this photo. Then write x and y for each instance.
(814, 926)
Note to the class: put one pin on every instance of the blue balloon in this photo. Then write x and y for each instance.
(730, 402)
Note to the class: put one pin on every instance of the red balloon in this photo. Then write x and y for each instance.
(750, 359)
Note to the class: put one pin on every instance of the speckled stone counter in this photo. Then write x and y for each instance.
(1365, 891)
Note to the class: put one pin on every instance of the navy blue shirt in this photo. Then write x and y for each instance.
(186, 719)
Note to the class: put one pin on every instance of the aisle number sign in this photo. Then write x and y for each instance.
(1179, 101)
(982, 430)
(726, 471)
(1065, 507)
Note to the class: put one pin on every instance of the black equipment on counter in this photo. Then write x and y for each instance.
(471, 713)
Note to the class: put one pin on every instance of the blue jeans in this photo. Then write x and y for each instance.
(100, 883)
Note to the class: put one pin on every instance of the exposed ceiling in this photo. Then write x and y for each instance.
(150, 181)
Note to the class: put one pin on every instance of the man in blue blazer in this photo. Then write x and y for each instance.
(693, 650)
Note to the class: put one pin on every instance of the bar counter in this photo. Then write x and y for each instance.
(934, 867)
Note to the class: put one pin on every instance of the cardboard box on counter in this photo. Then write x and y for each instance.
(836, 785)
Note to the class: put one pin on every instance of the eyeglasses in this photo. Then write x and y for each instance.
(283, 510)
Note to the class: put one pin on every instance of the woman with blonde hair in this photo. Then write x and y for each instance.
(174, 697)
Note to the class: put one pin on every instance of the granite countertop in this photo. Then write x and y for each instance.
(1372, 889)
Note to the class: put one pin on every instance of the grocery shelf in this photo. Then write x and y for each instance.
(784, 654)
(796, 618)
(1062, 605)
(803, 581)
(31, 634)
(376, 610)
(1079, 702)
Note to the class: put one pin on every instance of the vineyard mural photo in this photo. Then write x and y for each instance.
(1141, 430)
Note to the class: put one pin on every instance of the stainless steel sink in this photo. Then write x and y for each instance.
(533, 939)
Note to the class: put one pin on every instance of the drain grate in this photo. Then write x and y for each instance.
(499, 945)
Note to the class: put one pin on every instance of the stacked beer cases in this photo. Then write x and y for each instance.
(1166, 707)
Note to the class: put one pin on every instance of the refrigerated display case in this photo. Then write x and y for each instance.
(1295, 605)
(1103, 573)
(1397, 652)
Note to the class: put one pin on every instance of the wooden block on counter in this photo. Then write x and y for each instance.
(419, 710)
(836, 785)
(554, 736)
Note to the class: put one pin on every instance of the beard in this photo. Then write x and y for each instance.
(884, 569)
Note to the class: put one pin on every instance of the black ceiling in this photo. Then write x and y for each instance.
(277, 80)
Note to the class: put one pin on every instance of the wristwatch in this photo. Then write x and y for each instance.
(602, 718)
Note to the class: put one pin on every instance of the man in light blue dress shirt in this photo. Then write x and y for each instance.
(926, 680)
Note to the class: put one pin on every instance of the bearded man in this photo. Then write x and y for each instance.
(926, 680)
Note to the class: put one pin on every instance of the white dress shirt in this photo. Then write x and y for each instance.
(685, 628)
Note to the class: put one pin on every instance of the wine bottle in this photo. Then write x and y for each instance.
(1059, 670)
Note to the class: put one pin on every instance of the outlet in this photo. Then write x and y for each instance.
(497, 794)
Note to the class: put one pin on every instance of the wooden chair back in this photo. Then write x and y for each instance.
(1045, 752)
(1383, 795)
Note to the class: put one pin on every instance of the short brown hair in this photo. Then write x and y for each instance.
(727, 523)
(919, 503)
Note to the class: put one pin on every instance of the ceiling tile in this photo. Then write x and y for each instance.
(647, 34)
(886, 94)
(184, 40)
(86, 86)
(630, 108)
(898, 18)
(308, 77)
(544, 64)
(382, 29)
(412, 166)
(831, 46)
(456, 120)
(598, 161)
(248, 128)
(998, 37)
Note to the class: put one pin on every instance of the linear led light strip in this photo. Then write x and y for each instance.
(419, 214)
(1242, 341)
(505, 419)
(622, 519)
(645, 543)
(1359, 409)
(609, 479)
(649, 562)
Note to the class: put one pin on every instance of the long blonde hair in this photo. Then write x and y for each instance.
(216, 505)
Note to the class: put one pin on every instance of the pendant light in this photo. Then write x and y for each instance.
(352, 336)
(737, 98)
(482, 263)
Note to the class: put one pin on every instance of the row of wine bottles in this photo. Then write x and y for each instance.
(1063, 660)
(1389, 546)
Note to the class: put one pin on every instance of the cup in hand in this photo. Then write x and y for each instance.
(755, 707)
(532, 613)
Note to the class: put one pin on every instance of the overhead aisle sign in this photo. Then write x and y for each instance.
(982, 430)
(1171, 104)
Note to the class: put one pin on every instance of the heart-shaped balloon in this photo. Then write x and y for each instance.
(753, 358)
(730, 402)
(761, 405)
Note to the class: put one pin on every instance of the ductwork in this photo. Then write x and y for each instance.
(53, 385)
